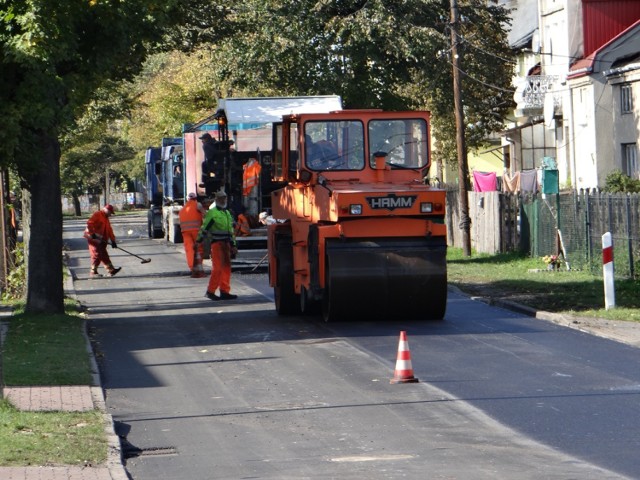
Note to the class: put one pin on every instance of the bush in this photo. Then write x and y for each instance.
(16, 280)
(618, 182)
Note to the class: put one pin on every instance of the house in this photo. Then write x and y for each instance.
(576, 89)
(605, 102)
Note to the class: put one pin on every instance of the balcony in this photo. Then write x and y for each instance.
(531, 92)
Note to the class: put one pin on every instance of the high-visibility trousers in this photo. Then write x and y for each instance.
(190, 246)
(220, 267)
(98, 253)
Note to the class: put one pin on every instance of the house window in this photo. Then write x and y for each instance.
(630, 160)
(626, 100)
(537, 142)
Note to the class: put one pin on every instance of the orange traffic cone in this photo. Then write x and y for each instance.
(404, 370)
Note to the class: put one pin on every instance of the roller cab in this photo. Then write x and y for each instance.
(358, 234)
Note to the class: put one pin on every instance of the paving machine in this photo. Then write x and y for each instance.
(356, 231)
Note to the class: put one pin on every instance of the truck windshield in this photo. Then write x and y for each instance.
(404, 141)
(334, 145)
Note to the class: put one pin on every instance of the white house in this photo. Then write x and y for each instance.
(605, 104)
(579, 102)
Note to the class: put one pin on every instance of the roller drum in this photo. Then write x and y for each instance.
(389, 278)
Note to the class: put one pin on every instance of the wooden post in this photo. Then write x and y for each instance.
(463, 168)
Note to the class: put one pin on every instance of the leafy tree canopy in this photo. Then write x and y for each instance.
(375, 54)
(54, 56)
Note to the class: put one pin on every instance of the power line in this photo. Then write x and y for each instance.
(494, 87)
(491, 54)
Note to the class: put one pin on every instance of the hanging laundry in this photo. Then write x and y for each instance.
(529, 181)
(484, 182)
(511, 184)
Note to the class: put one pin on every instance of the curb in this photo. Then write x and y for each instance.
(619, 331)
(114, 452)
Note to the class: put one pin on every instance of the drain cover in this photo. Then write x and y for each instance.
(129, 451)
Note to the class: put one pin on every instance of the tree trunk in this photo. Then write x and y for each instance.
(76, 205)
(42, 224)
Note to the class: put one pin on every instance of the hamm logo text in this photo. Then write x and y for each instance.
(391, 202)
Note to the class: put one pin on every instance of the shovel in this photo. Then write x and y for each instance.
(144, 260)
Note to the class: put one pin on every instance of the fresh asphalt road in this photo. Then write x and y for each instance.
(230, 390)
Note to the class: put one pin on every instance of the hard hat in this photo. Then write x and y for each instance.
(221, 194)
(108, 208)
(192, 196)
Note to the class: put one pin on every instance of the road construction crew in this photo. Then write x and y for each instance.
(217, 226)
(98, 234)
(190, 222)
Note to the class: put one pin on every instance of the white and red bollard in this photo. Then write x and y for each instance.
(607, 271)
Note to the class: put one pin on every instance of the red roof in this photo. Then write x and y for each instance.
(584, 66)
(603, 20)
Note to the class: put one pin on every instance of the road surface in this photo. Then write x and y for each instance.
(225, 390)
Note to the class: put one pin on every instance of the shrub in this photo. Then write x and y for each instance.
(618, 182)
(16, 280)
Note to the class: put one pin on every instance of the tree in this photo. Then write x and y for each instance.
(375, 54)
(84, 168)
(96, 143)
(53, 56)
(174, 88)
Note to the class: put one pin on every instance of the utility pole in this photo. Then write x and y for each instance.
(463, 168)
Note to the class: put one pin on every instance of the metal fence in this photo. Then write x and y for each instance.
(571, 223)
(585, 217)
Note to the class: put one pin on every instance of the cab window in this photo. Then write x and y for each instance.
(404, 142)
(334, 145)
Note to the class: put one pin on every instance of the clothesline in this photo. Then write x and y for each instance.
(522, 181)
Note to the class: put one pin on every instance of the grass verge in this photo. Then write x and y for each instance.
(51, 438)
(525, 280)
(48, 350)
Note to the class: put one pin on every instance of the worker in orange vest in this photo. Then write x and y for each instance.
(242, 226)
(191, 216)
(98, 234)
(250, 176)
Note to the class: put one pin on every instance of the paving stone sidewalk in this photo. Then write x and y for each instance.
(38, 399)
(73, 398)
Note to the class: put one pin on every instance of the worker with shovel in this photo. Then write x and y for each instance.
(98, 234)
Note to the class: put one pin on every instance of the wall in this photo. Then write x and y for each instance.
(91, 203)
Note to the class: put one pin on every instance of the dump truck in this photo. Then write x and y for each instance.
(153, 171)
(165, 188)
(241, 129)
(357, 231)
